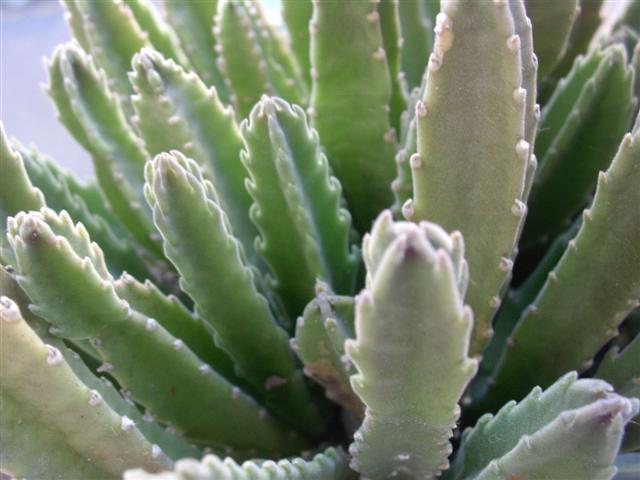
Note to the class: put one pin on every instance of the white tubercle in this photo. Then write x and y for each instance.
(54, 357)
(9, 309)
(94, 398)
(151, 325)
(126, 424)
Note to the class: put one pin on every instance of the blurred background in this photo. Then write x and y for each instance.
(29, 31)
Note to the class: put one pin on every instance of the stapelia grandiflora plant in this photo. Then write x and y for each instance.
(386, 241)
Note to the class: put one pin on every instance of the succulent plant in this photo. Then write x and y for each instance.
(387, 241)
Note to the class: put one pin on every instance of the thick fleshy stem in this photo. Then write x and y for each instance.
(412, 332)
(347, 46)
(199, 241)
(290, 174)
(475, 144)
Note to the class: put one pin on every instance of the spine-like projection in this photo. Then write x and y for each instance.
(65, 277)
(353, 120)
(169, 312)
(385, 231)
(412, 332)
(281, 64)
(193, 23)
(242, 60)
(566, 95)
(321, 333)
(304, 231)
(417, 40)
(332, 464)
(392, 44)
(402, 185)
(552, 23)
(475, 143)
(61, 191)
(160, 34)
(582, 32)
(44, 401)
(590, 436)
(517, 300)
(296, 17)
(529, 60)
(571, 430)
(75, 22)
(176, 111)
(17, 193)
(582, 286)
(92, 114)
(249, 57)
(214, 272)
(166, 441)
(595, 102)
(112, 37)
